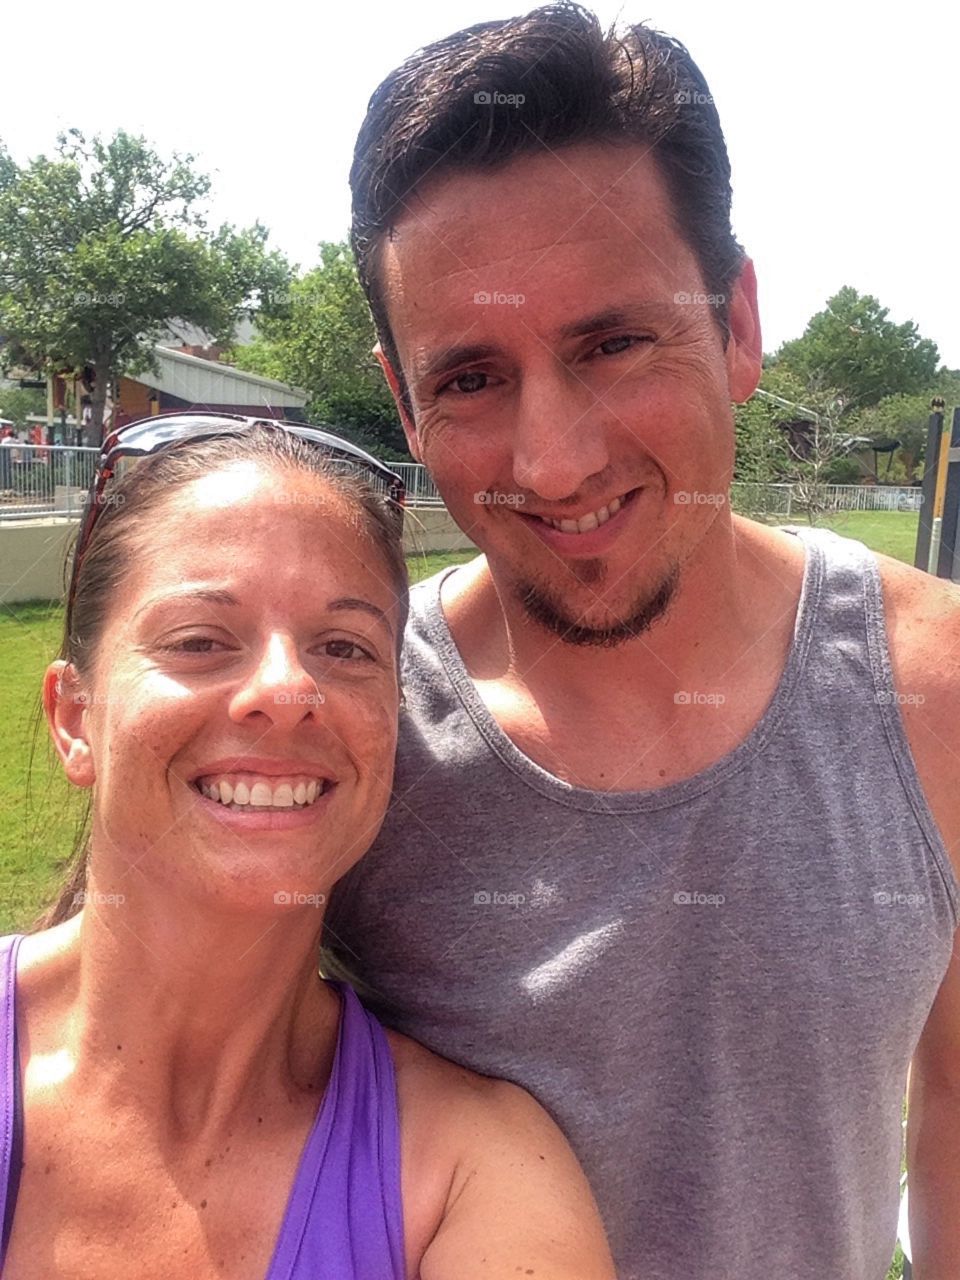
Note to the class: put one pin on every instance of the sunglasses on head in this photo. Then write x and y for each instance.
(150, 435)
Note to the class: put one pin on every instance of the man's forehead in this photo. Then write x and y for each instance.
(554, 190)
(542, 210)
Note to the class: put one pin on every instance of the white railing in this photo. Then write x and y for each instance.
(788, 499)
(52, 480)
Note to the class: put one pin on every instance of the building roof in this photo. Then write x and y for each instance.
(209, 382)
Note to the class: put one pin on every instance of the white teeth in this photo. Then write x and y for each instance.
(261, 793)
(592, 520)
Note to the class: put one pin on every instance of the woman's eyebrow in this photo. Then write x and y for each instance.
(218, 596)
(353, 602)
(206, 595)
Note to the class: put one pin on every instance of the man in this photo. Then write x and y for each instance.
(675, 833)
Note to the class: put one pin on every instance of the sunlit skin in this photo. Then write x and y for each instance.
(562, 421)
(174, 1035)
(604, 380)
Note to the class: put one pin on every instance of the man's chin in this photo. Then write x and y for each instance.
(594, 627)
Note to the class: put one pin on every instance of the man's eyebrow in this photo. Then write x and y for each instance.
(456, 355)
(621, 317)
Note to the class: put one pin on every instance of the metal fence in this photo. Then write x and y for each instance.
(44, 479)
(789, 500)
(51, 480)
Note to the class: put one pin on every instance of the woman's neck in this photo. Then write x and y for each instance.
(184, 1015)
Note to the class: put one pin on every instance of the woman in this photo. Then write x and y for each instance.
(194, 1100)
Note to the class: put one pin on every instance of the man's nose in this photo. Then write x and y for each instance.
(279, 687)
(559, 439)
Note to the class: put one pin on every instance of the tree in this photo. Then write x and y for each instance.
(103, 246)
(852, 346)
(17, 404)
(323, 342)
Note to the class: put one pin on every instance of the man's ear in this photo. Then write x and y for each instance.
(64, 704)
(744, 354)
(393, 381)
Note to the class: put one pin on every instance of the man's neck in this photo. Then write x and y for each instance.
(736, 600)
(657, 709)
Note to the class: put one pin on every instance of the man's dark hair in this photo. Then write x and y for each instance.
(438, 113)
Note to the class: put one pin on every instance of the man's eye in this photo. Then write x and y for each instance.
(467, 383)
(613, 346)
(342, 649)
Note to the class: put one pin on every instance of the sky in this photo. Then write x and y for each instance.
(841, 122)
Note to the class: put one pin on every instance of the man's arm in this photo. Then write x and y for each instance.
(519, 1204)
(923, 618)
(933, 1137)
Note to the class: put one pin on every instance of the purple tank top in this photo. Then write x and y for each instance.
(344, 1218)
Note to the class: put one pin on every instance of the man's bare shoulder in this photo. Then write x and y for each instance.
(923, 627)
(427, 1078)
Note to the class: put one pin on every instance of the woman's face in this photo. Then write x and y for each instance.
(249, 655)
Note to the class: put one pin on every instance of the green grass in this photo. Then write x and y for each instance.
(892, 533)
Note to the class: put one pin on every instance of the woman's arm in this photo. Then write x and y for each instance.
(519, 1204)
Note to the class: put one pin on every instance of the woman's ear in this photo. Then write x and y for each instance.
(65, 704)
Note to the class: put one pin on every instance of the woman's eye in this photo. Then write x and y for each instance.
(614, 346)
(467, 383)
(346, 649)
(191, 644)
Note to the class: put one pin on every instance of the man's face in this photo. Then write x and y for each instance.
(564, 364)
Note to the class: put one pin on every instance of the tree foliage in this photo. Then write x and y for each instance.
(105, 244)
(853, 348)
(322, 341)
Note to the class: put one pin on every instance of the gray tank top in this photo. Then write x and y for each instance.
(715, 987)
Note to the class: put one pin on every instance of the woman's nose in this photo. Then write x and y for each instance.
(279, 687)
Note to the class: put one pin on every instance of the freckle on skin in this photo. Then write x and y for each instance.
(203, 1204)
(208, 1162)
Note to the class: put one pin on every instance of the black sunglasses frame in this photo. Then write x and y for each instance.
(150, 435)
